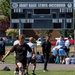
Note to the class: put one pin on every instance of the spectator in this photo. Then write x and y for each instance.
(2, 48)
(58, 49)
(46, 49)
(67, 45)
(39, 58)
(59, 43)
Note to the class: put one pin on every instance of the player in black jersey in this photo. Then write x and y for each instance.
(21, 52)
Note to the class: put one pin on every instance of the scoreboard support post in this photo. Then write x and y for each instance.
(74, 46)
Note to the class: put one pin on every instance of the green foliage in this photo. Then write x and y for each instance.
(10, 59)
(5, 8)
(48, 32)
(11, 32)
(69, 32)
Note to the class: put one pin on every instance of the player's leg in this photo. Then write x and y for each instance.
(16, 69)
(26, 66)
(34, 66)
(21, 68)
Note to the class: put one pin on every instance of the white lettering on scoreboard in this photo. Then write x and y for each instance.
(57, 20)
(23, 5)
(22, 20)
(41, 5)
(32, 5)
(35, 5)
(38, 5)
(57, 5)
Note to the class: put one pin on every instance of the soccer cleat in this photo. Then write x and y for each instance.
(45, 70)
(26, 74)
(33, 73)
(16, 72)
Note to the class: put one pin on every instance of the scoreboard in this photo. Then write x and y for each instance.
(41, 14)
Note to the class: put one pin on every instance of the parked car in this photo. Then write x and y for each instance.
(38, 41)
(26, 40)
(9, 42)
(53, 42)
(71, 40)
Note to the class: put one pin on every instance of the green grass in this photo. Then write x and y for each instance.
(40, 72)
(10, 59)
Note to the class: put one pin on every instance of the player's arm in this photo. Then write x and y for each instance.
(33, 52)
(6, 55)
(28, 48)
(11, 50)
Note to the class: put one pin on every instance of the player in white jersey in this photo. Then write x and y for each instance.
(31, 56)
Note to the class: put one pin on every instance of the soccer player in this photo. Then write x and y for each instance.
(21, 53)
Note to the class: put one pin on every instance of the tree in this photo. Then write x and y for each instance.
(4, 25)
(12, 32)
(5, 8)
(69, 32)
(48, 32)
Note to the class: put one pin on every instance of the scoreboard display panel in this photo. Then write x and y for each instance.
(41, 14)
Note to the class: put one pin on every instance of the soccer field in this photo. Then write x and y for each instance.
(40, 72)
(10, 60)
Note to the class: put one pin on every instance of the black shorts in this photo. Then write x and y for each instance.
(24, 62)
(30, 60)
